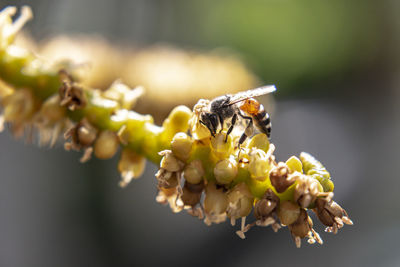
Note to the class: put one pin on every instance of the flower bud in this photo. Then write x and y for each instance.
(199, 131)
(194, 172)
(259, 141)
(181, 146)
(178, 119)
(315, 169)
(326, 184)
(294, 164)
(258, 165)
(85, 134)
(221, 148)
(106, 145)
(225, 171)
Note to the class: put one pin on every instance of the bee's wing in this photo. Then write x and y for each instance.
(252, 93)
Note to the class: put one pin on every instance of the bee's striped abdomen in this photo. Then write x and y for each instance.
(263, 121)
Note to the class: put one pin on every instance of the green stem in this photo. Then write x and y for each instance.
(21, 69)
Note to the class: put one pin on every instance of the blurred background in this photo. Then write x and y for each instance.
(336, 66)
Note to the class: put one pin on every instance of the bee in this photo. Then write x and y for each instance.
(242, 104)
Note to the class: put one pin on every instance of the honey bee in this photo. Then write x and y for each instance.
(241, 104)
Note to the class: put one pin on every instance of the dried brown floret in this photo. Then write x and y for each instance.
(50, 134)
(331, 214)
(169, 162)
(307, 190)
(172, 182)
(265, 210)
(302, 227)
(19, 106)
(196, 211)
(280, 177)
(18, 110)
(171, 169)
(192, 193)
(162, 176)
(170, 190)
(288, 212)
(82, 136)
(50, 121)
(266, 205)
(71, 94)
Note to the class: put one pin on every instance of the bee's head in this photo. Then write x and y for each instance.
(210, 120)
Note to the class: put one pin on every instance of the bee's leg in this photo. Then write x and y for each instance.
(242, 139)
(202, 122)
(233, 121)
(221, 121)
(248, 129)
(250, 119)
